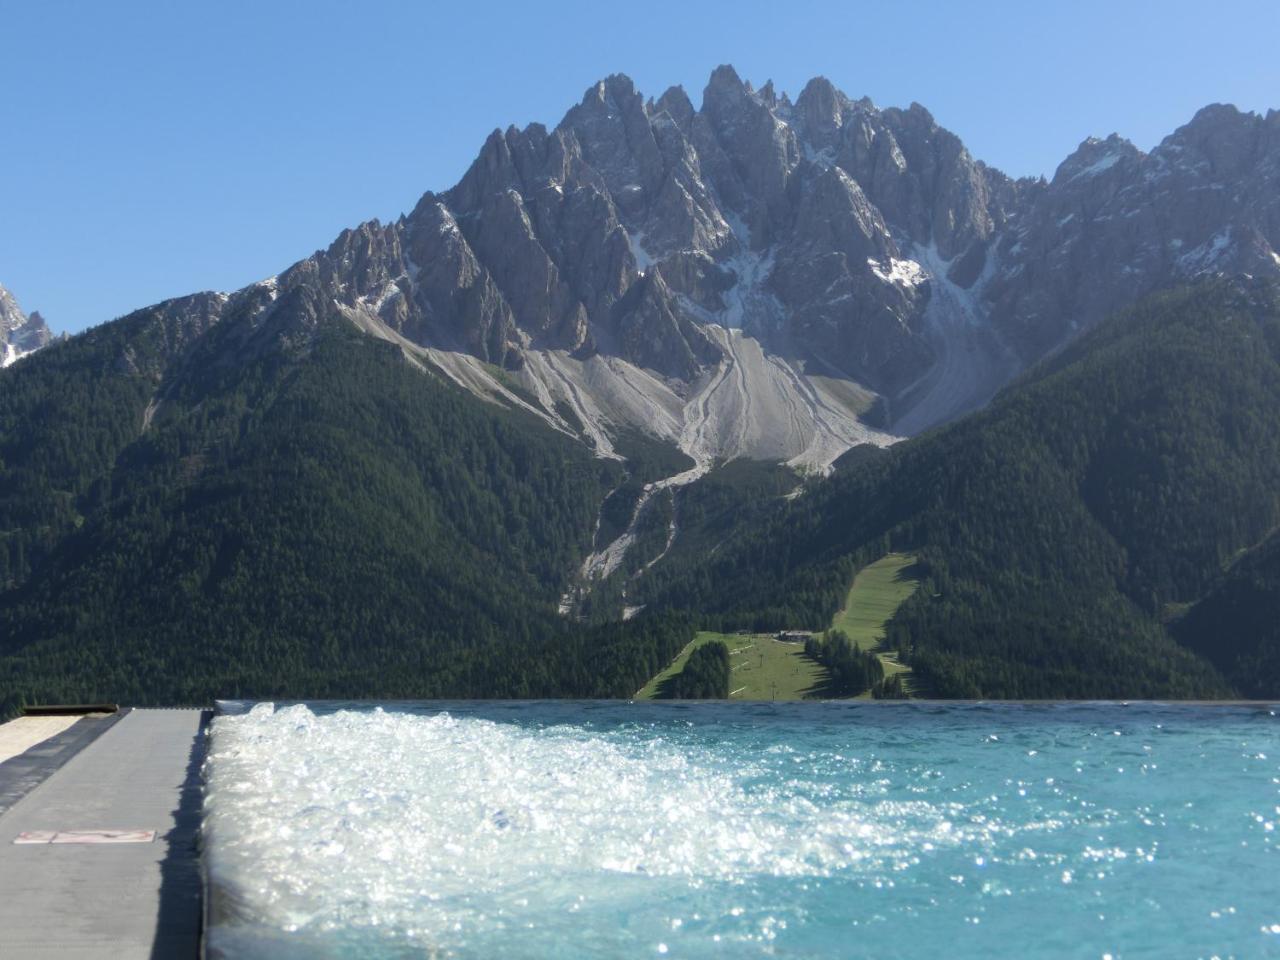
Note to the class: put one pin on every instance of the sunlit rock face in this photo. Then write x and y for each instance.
(762, 277)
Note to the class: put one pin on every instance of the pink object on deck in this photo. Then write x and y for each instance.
(86, 836)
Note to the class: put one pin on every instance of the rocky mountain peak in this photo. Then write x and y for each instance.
(866, 243)
(819, 110)
(11, 314)
(19, 334)
(613, 90)
(725, 89)
(1095, 157)
(757, 277)
(1218, 115)
(677, 105)
(1228, 141)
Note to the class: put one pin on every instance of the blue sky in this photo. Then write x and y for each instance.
(152, 149)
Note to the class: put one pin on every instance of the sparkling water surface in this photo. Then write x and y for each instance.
(487, 830)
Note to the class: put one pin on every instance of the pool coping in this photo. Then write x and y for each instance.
(21, 774)
(88, 900)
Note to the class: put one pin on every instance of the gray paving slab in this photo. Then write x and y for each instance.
(118, 901)
(21, 774)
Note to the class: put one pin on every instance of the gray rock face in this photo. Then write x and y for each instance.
(19, 334)
(1115, 223)
(752, 276)
(858, 243)
(633, 225)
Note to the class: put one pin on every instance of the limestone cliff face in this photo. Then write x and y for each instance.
(761, 277)
(635, 223)
(856, 243)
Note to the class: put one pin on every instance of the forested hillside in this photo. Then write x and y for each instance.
(1054, 527)
(191, 510)
(705, 676)
(196, 502)
(1237, 625)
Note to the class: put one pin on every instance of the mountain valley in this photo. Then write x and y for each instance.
(658, 369)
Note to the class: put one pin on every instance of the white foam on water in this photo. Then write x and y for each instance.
(432, 829)
(823, 830)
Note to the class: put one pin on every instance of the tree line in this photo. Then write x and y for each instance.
(852, 671)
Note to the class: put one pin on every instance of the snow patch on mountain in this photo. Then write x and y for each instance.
(1106, 162)
(749, 304)
(824, 158)
(905, 272)
(644, 259)
(1208, 256)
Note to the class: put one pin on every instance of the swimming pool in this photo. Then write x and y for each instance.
(481, 830)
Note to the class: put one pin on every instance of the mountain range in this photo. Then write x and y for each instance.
(779, 280)
(486, 432)
(784, 280)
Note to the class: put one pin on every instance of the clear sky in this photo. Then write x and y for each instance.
(154, 148)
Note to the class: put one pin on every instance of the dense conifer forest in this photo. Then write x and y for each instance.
(191, 510)
(705, 675)
(852, 671)
(1237, 624)
(326, 521)
(1054, 529)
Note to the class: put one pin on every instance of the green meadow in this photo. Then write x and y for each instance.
(877, 592)
(764, 668)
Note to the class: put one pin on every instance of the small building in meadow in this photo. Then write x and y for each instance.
(793, 636)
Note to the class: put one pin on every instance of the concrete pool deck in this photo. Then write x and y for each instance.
(80, 897)
(19, 736)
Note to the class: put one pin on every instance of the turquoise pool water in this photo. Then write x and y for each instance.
(737, 830)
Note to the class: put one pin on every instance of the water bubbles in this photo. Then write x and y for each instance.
(468, 836)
